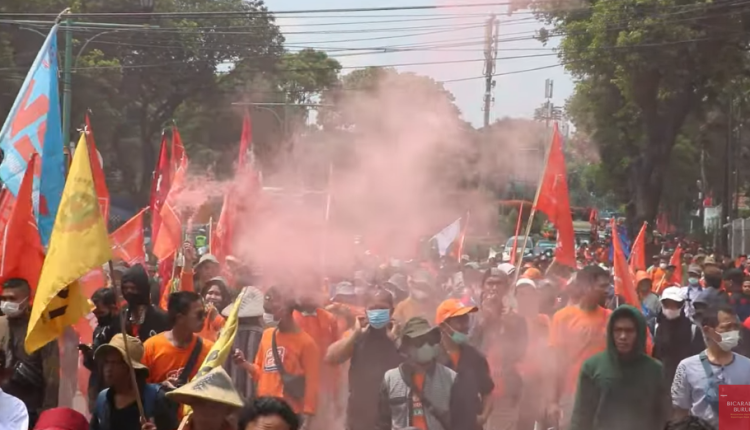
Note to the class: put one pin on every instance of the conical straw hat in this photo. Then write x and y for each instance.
(214, 386)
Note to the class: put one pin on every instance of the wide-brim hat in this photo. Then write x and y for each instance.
(135, 350)
(251, 304)
(215, 386)
(417, 327)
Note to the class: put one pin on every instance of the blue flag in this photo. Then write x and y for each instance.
(624, 241)
(34, 126)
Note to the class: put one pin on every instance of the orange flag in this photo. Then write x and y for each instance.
(245, 141)
(676, 261)
(97, 171)
(127, 241)
(170, 232)
(22, 252)
(638, 251)
(624, 286)
(554, 201)
(221, 240)
(178, 151)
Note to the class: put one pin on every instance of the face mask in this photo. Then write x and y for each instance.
(135, 299)
(729, 340)
(11, 309)
(662, 266)
(105, 320)
(378, 318)
(693, 281)
(424, 354)
(419, 295)
(671, 314)
(269, 318)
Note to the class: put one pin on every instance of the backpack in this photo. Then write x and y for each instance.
(150, 391)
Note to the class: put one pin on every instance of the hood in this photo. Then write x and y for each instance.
(641, 328)
(138, 276)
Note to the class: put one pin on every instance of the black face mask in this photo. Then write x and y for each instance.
(105, 320)
(135, 299)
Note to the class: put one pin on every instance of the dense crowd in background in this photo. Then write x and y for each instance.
(443, 343)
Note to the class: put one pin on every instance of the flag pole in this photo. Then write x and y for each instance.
(210, 233)
(515, 237)
(532, 214)
(124, 331)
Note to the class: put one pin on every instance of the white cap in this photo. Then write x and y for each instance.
(674, 294)
(526, 282)
(207, 258)
(508, 268)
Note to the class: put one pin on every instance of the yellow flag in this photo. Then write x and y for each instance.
(78, 244)
(223, 345)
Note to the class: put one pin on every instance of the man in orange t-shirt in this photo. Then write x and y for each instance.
(577, 333)
(167, 353)
(297, 352)
(322, 327)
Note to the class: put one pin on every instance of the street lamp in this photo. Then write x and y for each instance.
(147, 5)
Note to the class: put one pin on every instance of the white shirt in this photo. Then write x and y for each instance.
(13, 413)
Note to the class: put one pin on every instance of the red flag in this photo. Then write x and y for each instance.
(554, 201)
(7, 202)
(97, 171)
(127, 241)
(593, 216)
(638, 251)
(178, 151)
(221, 245)
(159, 187)
(22, 252)
(624, 286)
(676, 261)
(245, 141)
(169, 238)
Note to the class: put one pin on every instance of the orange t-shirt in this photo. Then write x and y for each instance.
(300, 356)
(417, 413)
(455, 356)
(211, 327)
(538, 341)
(165, 360)
(575, 336)
(324, 330)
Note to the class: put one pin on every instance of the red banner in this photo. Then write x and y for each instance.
(734, 407)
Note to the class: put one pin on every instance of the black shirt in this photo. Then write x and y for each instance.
(473, 382)
(374, 354)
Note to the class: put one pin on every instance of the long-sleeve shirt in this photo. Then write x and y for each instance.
(22, 370)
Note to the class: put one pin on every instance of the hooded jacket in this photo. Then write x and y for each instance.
(155, 321)
(676, 340)
(621, 392)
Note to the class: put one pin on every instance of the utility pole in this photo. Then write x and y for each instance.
(68, 65)
(491, 34)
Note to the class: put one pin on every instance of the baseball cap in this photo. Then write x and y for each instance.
(452, 308)
(674, 294)
(207, 258)
(695, 269)
(525, 282)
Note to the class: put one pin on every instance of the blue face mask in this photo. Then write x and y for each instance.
(378, 318)
(693, 281)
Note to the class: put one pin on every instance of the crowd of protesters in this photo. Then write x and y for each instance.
(440, 345)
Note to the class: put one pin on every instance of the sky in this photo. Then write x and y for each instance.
(452, 37)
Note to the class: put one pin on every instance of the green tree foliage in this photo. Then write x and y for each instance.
(642, 67)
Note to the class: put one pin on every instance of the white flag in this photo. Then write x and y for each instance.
(447, 236)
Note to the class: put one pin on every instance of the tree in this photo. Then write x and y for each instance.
(641, 68)
(136, 80)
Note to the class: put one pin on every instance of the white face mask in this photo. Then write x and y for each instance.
(729, 340)
(269, 318)
(662, 266)
(671, 314)
(11, 309)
